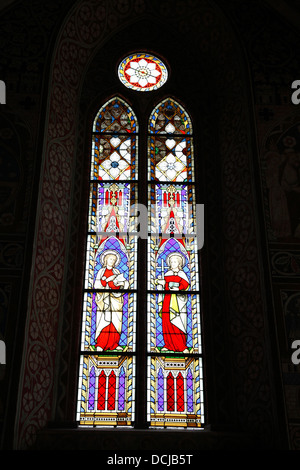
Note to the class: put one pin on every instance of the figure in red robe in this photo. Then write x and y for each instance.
(109, 305)
(173, 305)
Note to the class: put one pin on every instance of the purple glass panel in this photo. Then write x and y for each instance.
(121, 403)
(92, 389)
(160, 391)
(189, 387)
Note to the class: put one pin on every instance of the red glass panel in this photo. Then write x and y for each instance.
(101, 391)
(170, 392)
(111, 391)
(180, 392)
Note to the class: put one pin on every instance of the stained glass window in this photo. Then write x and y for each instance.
(142, 72)
(175, 376)
(110, 320)
(107, 365)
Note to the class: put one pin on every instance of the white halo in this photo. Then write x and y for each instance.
(110, 252)
(175, 253)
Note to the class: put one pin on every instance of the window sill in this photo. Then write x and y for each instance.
(116, 439)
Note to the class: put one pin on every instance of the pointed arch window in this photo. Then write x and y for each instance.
(111, 318)
(174, 333)
(107, 360)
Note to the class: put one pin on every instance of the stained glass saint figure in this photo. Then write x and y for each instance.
(172, 305)
(175, 385)
(106, 394)
(110, 305)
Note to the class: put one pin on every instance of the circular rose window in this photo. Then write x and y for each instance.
(142, 72)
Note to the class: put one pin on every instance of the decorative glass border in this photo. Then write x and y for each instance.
(142, 72)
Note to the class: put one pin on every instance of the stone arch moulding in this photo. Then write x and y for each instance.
(87, 26)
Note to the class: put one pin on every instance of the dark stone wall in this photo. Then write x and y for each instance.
(232, 65)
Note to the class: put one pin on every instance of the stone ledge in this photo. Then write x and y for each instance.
(113, 439)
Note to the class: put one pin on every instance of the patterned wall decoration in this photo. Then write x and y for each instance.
(280, 179)
(291, 308)
(281, 165)
(240, 320)
(25, 35)
(244, 297)
(275, 65)
(84, 29)
(15, 168)
(285, 263)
